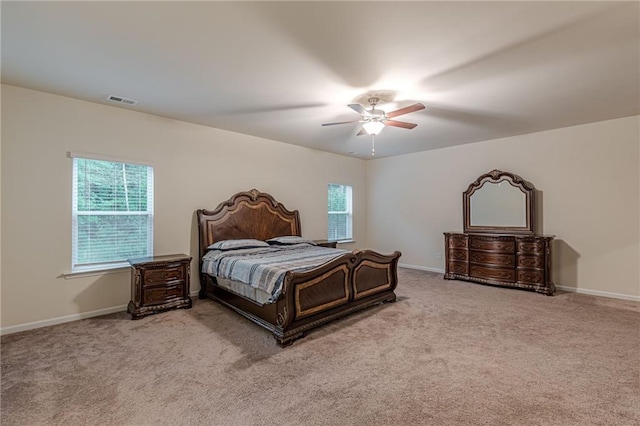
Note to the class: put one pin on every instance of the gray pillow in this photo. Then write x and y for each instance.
(237, 244)
(290, 239)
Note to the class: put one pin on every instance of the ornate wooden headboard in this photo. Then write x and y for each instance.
(251, 214)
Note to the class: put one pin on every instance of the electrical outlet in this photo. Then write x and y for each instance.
(438, 255)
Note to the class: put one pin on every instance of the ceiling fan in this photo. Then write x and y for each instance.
(376, 119)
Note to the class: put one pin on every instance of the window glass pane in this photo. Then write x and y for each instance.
(338, 226)
(112, 212)
(339, 212)
(107, 238)
(109, 186)
(337, 198)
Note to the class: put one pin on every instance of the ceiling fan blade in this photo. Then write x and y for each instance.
(402, 124)
(405, 110)
(340, 122)
(361, 132)
(359, 109)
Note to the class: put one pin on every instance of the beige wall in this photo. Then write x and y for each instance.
(195, 167)
(589, 178)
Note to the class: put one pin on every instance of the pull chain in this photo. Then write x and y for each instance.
(373, 145)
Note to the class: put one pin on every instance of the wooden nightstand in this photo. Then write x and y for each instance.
(326, 243)
(159, 283)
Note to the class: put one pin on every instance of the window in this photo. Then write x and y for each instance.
(112, 213)
(340, 213)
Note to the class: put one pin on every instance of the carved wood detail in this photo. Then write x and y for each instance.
(520, 261)
(496, 176)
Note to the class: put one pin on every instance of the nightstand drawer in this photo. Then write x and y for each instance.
(326, 243)
(160, 276)
(160, 295)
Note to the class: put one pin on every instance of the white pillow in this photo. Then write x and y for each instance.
(237, 244)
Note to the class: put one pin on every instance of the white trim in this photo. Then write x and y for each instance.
(421, 268)
(100, 157)
(599, 293)
(61, 320)
(349, 241)
(68, 318)
(124, 267)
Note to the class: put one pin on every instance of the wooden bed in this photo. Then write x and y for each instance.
(347, 284)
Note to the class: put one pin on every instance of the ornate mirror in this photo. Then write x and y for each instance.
(499, 202)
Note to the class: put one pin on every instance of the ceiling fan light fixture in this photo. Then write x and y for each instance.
(373, 127)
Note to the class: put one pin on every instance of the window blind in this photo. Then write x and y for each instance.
(339, 212)
(112, 213)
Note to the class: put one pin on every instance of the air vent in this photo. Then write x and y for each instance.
(121, 100)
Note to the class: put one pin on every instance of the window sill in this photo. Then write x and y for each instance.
(345, 241)
(93, 272)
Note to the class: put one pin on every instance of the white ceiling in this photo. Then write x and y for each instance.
(278, 70)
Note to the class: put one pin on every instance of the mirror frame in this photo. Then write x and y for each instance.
(496, 176)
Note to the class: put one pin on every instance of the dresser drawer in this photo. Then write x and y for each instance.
(461, 268)
(493, 245)
(530, 276)
(160, 295)
(529, 261)
(492, 258)
(500, 274)
(458, 241)
(457, 254)
(154, 277)
(531, 246)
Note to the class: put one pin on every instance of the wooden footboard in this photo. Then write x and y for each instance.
(335, 290)
(347, 284)
(374, 273)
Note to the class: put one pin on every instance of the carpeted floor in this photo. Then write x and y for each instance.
(446, 353)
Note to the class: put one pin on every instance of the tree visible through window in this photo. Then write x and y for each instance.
(112, 213)
(340, 212)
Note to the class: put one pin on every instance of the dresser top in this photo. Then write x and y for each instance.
(159, 259)
(497, 234)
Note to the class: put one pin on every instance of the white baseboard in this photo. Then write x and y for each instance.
(421, 268)
(67, 318)
(599, 293)
(60, 320)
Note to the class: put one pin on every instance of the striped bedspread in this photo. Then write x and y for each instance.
(264, 268)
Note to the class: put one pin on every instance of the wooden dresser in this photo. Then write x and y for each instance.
(510, 260)
(159, 283)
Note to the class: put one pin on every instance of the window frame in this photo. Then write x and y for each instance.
(75, 213)
(348, 211)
